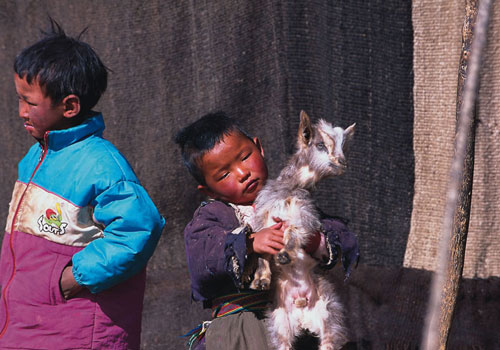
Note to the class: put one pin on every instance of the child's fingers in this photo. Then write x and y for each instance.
(277, 226)
(273, 248)
(268, 240)
(276, 245)
(276, 240)
(277, 232)
(278, 220)
(280, 226)
(278, 236)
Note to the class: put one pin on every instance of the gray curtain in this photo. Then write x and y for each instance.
(261, 62)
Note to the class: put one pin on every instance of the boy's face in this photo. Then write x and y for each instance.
(37, 110)
(234, 170)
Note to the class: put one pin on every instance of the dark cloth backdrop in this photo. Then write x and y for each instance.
(261, 62)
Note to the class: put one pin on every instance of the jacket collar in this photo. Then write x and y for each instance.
(58, 139)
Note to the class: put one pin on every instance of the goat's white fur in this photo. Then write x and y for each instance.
(301, 298)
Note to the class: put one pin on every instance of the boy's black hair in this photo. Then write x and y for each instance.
(201, 136)
(64, 65)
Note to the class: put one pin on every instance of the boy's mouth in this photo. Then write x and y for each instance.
(252, 185)
(28, 126)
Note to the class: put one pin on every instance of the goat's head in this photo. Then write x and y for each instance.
(321, 147)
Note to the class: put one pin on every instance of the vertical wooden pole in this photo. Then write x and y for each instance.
(451, 252)
(462, 213)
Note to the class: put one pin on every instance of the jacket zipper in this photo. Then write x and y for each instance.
(11, 243)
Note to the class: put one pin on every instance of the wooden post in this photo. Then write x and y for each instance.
(462, 214)
(451, 252)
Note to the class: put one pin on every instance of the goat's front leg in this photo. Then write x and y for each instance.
(262, 276)
(286, 255)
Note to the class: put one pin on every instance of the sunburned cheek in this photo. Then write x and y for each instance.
(227, 191)
(259, 166)
(34, 120)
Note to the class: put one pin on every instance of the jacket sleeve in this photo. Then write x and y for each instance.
(215, 250)
(340, 240)
(132, 228)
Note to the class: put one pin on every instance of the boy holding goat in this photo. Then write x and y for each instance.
(230, 168)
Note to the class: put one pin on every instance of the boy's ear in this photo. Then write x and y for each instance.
(259, 146)
(206, 191)
(71, 104)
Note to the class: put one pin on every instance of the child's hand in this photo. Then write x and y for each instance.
(268, 240)
(68, 285)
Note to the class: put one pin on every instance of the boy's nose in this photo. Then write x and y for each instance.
(243, 174)
(23, 110)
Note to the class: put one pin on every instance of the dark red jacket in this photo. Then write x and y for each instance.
(215, 239)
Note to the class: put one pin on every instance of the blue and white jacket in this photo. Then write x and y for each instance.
(76, 200)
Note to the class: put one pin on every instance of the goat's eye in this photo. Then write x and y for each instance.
(321, 146)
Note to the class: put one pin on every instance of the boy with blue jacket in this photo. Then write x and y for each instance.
(80, 228)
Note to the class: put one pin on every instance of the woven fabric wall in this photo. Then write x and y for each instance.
(437, 45)
(262, 62)
(173, 61)
(482, 258)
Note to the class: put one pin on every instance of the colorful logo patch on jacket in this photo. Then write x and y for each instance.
(51, 222)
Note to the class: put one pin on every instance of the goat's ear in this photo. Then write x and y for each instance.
(305, 135)
(348, 135)
(349, 132)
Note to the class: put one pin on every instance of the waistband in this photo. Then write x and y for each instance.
(255, 301)
(229, 304)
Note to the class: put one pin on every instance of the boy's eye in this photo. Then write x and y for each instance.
(223, 176)
(247, 156)
(27, 102)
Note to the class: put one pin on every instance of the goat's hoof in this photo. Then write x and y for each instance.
(283, 258)
(264, 284)
(246, 278)
(260, 284)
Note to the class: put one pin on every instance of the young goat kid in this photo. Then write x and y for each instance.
(301, 298)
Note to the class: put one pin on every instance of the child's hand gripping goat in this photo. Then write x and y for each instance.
(301, 298)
